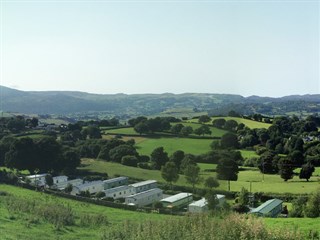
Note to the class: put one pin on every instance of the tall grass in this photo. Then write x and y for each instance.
(200, 227)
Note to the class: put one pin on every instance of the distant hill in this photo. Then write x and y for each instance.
(125, 105)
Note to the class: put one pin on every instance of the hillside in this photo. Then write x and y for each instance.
(125, 106)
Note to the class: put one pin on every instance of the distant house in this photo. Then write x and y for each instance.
(198, 206)
(143, 186)
(144, 198)
(115, 182)
(271, 208)
(178, 200)
(38, 180)
(119, 192)
(92, 187)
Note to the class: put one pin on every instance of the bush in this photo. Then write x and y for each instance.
(100, 195)
(129, 161)
(239, 208)
(144, 165)
(251, 162)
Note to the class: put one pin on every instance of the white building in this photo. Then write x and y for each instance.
(37, 179)
(144, 198)
(73, 182)
(119, 192)
(143, 186)
(115, 182)
(178, 200)
(92, 187)
(198, 206)
(58, 180)
(202, 205)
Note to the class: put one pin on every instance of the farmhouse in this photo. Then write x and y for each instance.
(144, 198)
(198, 206)
(115, 182)
(178, 200)
(119, 192)
(143, 186)
(38, 179)
(92, 187)
(270, 208)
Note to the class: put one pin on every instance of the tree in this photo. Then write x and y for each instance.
(159, 157)
(219, 122)
(68, 188)
(211, 182)
(286, 168)
(93, 132)
(116, 154)
(188, 159)
(313, 205)
(176, 129)
(227, 169)
(231, 125)
(129, 161)
(243, 198)
(204, 119)
(204, 129)
(192, 175)
(169, 173)
(306, 171)
(297, 158)
(141, 127)
(177, 158)
(186, 131)
(229, 140)
(49, 180)
(212, 200)
(268, 162)
(71, 160)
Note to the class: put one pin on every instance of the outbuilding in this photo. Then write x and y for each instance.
(271, 208)
(92, 187)
(178, 200)
(119, 192)
(115, 182)
(198, 206)
(38, 180)
(143, 186)
(144, 198)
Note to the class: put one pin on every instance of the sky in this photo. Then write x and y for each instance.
(261, 47)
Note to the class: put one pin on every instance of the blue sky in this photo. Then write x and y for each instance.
(266, 48)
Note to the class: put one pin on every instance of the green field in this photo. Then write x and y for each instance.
(249, 154)
(259, 182)
(170, 145)
(216, 132)
(249, 123)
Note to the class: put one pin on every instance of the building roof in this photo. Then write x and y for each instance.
(267, 206)
(60, 177)
(176, 197)
(219, 196)
(200, 203)
(112, 180)
(146, 193)
(37, 176)
(116, 189)
(139, 184)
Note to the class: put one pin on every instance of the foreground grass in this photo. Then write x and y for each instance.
(24, 226)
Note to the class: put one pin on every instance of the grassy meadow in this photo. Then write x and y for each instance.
(259, 182)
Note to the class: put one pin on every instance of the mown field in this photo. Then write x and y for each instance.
(249, 123)
(259, 182)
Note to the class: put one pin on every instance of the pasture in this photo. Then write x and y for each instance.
(268, 183)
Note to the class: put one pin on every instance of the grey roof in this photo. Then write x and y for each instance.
(112, 180)
(267, 206)
(145, 193)
(176, 197)
(219, 196)
(139, 184)
(87, 184)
